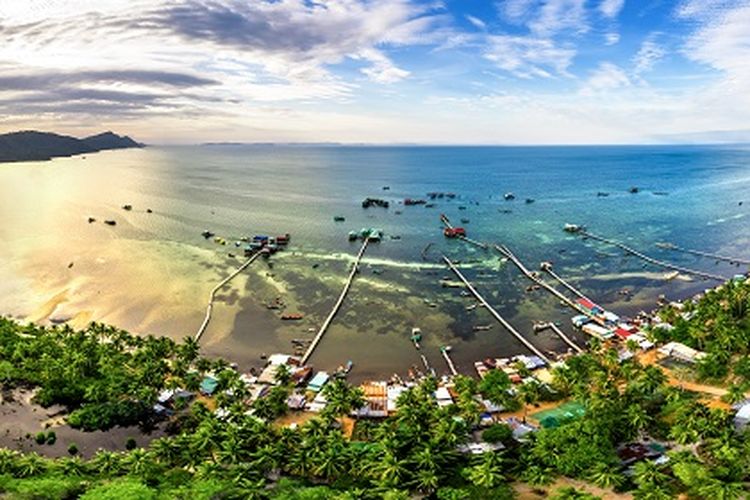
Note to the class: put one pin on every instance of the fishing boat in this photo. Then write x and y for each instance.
(509, 196)
(530, 200)
(292, 316)
(110, 222)
(339, 218)
(416, 336)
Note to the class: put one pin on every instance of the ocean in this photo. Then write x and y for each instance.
(152, 272)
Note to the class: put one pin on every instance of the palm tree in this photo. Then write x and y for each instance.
(8, 460)
(30, 464)
(605, 476)
(341, 399)
(488, 473)
(536, 475)
(389, 470)
(107, 463)
(529, 394)
(647, 472)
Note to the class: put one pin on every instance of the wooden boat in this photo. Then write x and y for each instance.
(292, 316)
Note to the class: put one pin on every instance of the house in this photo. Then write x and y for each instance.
(208, 385)
(443, 396)
(376, 400)
(742, 417)
(318, 381)
(681, 352)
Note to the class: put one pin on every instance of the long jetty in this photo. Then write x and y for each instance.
(565, 338)
(548, 269)
(218, 287)
(339, 302)
(504, 250)
(724, 258)
(492, 311)
(651, 260)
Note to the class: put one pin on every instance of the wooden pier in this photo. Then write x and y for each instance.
(339, 302)
(504, 250)
(492, 311)
(723, 258)
(651, 260)
(548, 269)
(451, 366)
(218, 287)
(565, 338)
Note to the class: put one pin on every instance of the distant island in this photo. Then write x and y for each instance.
(31, 145)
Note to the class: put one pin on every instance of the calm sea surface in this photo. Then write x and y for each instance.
(152, 272)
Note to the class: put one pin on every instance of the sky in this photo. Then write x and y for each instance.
(379, 71)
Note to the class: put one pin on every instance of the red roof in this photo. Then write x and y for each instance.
(586, 303)
(622, 333)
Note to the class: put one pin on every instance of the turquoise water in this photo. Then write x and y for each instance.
(689, 196)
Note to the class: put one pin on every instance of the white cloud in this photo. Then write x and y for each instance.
(476, 22)
(560, 15)
(611, 38)
(515, 11)
(382, 69)
(607, 76)
(611, 8)
(528, 57)
(649, 54)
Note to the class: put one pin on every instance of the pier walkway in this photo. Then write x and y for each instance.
(724, 258)
(493, 312)
(565, 338)
(651, 260)
(339, 302)
(533, 277)
(218, 287)
(451, 366)
(548, 269)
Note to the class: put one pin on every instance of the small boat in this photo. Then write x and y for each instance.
(471, 307)
(292, 316)
(465, 220)
(395, 237)
(207, 234)
(602, 194)
(461, 207)
(353, 235)
(386, 188)
(416, 336)
(149, 211)
(339, 218)
(509, 196)
(429, 205)
(482, 328)
(530, 200)
(127, 207)
(481, 369)
(110, 222)
(91, 219)
(633, 190)
(505, 211)
(572, 228)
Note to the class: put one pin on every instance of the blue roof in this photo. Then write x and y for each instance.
(208, 385)
(318, 381)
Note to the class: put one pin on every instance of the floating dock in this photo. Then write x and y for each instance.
(494, 313)
(651, 260)
(337, 306)
(218, 287)
(445, 220)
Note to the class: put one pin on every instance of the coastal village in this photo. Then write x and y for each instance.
(630, 337)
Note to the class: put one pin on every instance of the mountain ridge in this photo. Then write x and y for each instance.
(34, 145)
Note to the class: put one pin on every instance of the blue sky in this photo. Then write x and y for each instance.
(381, 71)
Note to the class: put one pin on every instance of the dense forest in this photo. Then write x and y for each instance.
(107, 377)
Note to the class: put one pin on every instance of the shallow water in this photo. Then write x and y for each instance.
(151, 273)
